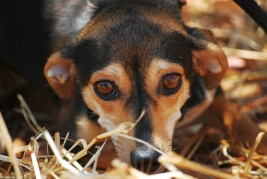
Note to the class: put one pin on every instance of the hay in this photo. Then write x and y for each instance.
(62, 163)
(9, 147)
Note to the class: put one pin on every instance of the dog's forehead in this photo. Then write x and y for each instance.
(130, 13)
(132, 35)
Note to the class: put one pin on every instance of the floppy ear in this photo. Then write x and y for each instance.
(60, 73)
(209, 59)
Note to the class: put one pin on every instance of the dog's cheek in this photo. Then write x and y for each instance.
(114, 111)
(87, 129)
(112, 114)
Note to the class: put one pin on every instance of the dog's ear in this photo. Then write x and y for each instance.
(60, 72)
(209, 59)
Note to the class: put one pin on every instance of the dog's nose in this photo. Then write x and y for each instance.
(145, 159)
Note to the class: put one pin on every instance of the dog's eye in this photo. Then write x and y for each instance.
(171, 83)
(105, 89)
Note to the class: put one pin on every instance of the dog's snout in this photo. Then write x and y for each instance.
(145, 159)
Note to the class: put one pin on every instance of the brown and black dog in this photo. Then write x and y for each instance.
(115, 58)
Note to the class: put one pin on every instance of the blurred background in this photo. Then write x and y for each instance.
(245, 45)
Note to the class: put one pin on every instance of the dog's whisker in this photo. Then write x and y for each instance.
(116, 141)
(93, 115)
(143, 142)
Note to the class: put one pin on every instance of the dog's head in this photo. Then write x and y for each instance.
(133, 57)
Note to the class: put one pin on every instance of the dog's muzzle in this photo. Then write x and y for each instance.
(145, 159)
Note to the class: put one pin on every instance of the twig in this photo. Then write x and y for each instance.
(143, 142)
(9, 147)
(196, 146)
(195, 138)
(246, 54)
(36, 166)
(254, 147)
(180, 161)
(27, 113)
(54, 148)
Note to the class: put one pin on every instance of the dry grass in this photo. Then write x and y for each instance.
(63, 163)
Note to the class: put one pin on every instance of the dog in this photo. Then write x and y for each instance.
(113, 59)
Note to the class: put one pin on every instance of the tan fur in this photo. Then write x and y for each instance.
(115, 112)
(167, 110)
(87, 129)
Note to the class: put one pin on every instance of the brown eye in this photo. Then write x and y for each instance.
(171, 83)
(104, 89)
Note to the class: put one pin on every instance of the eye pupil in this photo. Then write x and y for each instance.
(171, 82)
(104, 88)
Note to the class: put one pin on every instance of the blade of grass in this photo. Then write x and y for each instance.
(253, 149)
(9, 147)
